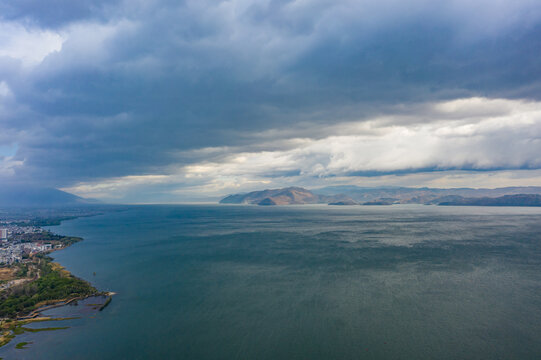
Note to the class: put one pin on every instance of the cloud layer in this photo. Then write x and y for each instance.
(448, 139)
(94, 92)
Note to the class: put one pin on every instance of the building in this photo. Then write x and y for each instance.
(3, 234)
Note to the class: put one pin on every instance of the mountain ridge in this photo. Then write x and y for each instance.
(285, 196)
(506, 200)
(352, 195)
(31, 196)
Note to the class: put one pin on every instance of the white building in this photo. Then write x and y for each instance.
(3, 234)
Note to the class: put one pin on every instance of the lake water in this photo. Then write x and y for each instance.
(303, 282)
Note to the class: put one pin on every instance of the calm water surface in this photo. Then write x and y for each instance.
(304, 282)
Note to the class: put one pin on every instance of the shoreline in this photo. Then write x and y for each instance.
(10, 327)
(60, 303)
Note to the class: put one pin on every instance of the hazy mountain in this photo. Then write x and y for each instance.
(506, 200)
(26, 196)
(351, 195)
(407, 195)
(344, 202)
(382, 201)
(286, 196)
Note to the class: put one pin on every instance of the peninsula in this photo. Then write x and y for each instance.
(30, 281)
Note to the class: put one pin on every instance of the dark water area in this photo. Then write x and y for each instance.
(304, 282)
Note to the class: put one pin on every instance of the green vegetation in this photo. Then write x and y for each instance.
(105, 303)
(17, 329)
(22, 345)
(23, 271)
(50, 221)
(54, 283)
(37, 283)
(46, 236)
(45, 329)
(10, 328)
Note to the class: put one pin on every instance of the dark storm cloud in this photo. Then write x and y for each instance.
(52, 13)
(135, 83)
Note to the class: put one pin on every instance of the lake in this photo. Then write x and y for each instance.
(303, 282)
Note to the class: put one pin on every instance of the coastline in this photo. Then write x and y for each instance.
(11, 326)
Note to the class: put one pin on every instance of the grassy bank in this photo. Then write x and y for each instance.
(53, 284)
(37, 283)
(11, 328)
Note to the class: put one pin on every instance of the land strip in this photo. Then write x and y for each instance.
(30, 282)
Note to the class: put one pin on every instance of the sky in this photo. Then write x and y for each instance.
(168, 101)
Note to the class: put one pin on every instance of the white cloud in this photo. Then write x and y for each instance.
(463, 135)
(27, 44)
(89, 45)
(7, 162)
(479, 139)
(5, 91)
(258, 80)
(116, 187)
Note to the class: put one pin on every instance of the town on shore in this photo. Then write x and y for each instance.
(19, 243)
(30, 281)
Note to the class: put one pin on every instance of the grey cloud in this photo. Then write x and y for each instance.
(52, 13)
(137, 83)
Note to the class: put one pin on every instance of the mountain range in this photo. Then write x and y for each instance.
(506, 200)
(31, 196)
(351, 195)
(286, 196)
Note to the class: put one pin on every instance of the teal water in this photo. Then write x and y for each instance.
(304, 282)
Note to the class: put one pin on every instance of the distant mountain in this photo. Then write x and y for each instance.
(382, 201)
(286, 196)
(27, 196)
(351, 195)
(344, 202)
(506, 200)
(405, 195)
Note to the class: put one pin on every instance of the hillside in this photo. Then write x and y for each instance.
(507, 200)
(351, 195)
(28, 196)
(405, 195)
(285, 196)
